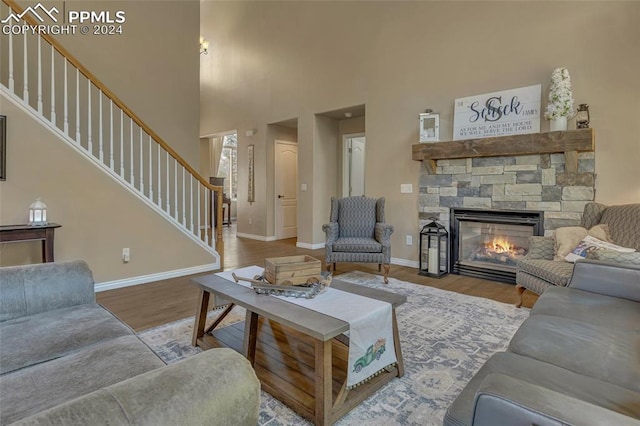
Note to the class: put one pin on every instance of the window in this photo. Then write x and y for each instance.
(228, 168)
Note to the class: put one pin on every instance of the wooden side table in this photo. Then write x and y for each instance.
(17, 233)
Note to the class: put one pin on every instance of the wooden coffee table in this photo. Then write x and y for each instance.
(300, 356)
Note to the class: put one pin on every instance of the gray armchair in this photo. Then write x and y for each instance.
(538, 270)
(357, 232)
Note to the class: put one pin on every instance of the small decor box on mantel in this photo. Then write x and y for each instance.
(429, 127)
(291, 269)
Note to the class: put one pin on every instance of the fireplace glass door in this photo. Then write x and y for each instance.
(488, 243)
(493, 245)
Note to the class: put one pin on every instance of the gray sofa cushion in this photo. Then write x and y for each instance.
(354, 244)
(30, 390)
(357, 216)
(623, 222)
(588, 307)
(32, 289)
(554, 272)
(597, 351)
(54, 334)
(549, 376)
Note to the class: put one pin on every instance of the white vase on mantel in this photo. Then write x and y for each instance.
(558, 124)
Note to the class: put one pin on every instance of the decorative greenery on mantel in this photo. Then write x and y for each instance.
(570, 142)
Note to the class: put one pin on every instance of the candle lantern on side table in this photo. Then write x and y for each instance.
(434, 250)
(38, 213)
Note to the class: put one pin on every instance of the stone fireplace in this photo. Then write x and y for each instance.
(558, 181)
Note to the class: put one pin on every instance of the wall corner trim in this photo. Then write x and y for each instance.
(144, 279)
(310, 246)
(405, 262)
(255, 237)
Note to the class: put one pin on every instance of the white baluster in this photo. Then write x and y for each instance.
(191, 199)
(199, 213)
(11, 79)
(175, 188)
(184, 217)
(78, 138)
(141, 171)
(100, 129)
(53, 86)
(111, 162)
(150, 169)
(40, 74)
(131, 152)
(89, 116)
(25, 91)
(66, 99)
(167, 190)
(207, 213)
(121, 144)
(159, 179)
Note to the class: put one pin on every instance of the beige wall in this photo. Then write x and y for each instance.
(275, 60)
(153, 68)
(98, 217)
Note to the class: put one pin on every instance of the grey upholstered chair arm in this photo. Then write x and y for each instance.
(332, 231)
(383, 233)
(33, 289)
(216, 387)
(609, 279)
(541, 248)
(504, 400)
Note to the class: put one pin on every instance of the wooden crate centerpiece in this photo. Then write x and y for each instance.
(291, 270)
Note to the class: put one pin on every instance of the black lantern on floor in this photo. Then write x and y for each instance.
(434, 250)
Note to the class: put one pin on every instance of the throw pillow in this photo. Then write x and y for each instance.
(568, 238)
(612, 256)
(590, 244)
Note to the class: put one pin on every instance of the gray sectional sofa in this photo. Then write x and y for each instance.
(575, 360)
(66, 360)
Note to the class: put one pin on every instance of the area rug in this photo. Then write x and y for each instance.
(445, 338)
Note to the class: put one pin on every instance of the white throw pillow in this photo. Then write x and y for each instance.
(589, 244)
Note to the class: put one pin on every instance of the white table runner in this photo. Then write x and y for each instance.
(371, 345)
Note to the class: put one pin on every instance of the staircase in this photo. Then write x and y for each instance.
(47, 82)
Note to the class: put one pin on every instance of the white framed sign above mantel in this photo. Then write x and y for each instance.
(508, 112)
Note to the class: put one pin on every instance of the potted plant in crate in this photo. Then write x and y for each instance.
(560, 106)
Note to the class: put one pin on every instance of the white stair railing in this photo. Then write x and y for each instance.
(101, 127)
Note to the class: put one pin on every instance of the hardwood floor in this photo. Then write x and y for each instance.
(149, 305)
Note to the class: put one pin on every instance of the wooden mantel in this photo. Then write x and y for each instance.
(570, 142)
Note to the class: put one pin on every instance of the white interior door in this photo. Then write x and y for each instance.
(353, 165)
(286, 174)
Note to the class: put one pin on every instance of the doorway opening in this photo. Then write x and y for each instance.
(353, 164)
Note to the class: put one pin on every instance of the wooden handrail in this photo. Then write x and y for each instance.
(16, 8)
(64, 52)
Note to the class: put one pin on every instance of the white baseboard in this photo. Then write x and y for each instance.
(310, 246)
(405, 262)
(143, 279)
(255, 237)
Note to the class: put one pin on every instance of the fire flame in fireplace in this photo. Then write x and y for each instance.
(500, 245)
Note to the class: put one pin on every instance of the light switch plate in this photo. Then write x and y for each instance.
(406, 188)
(303, 187)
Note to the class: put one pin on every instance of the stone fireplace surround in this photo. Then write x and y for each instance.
(527, 182)
(507, 173)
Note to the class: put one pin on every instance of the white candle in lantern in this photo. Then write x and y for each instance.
(433, 261)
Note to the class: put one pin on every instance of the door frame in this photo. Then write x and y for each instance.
(276, 212)
(345, 163)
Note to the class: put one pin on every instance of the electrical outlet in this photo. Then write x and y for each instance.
(406, 188)
(409, 240)
(126, 255)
